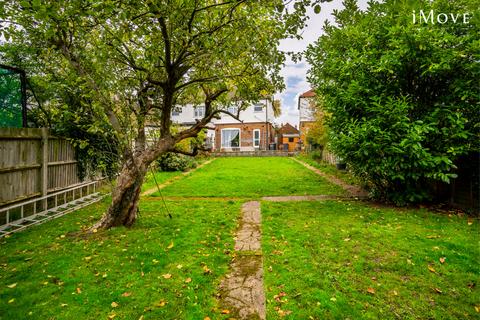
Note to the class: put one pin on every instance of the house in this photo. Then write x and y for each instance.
(253, 132)
(288, 138)
(306, 105)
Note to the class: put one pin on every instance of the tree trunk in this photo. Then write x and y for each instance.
(125, 197)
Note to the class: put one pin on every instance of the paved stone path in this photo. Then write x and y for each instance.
(241, 291)
(352, 190)
(303, 198)
(168, 182)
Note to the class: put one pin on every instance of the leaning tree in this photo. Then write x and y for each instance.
(130, 63)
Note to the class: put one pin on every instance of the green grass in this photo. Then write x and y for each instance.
(251, 178)
(160, 176)
(45, 265)
(330, 169)
(326, 255)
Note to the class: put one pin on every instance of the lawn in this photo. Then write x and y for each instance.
(160, 177)
(251, 178)
(160, 269)
(330, 169)
(339, 260)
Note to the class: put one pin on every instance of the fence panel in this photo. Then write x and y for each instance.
(33, 163)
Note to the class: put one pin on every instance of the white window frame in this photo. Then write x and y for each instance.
(233, 110)
(259, 138)
(258, 105)
(239, 138)
(199, 112)
(176, 111)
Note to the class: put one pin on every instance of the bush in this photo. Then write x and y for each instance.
(176, 162)
(402, 97)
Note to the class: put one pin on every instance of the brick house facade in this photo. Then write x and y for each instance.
(251, 136)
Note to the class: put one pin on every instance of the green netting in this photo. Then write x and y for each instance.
(10, 99)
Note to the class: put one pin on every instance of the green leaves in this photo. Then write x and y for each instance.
(398, 95)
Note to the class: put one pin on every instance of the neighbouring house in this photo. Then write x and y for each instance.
(288, 138)
(306, 104)
(253, 132)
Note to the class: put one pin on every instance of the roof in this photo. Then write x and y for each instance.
(287, 128)
(308, 94)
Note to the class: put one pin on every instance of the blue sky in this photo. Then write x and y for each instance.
(295, 74)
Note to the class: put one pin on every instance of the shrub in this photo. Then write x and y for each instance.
(403, 97)
(176, 162)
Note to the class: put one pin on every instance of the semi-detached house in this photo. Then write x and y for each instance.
(253, 132)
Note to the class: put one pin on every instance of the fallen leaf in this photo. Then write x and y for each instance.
(64, 305)
(371, 290)
(437, 290)
(11, 300)
(95, 230)
(167, 275)
(179, 266)
(270, 269)
(155, 261)
(79, 290)
(161, 303)
(206, 318)
(333, 299)
(431, 269)
(433, 237)
(470, 222)
(395, 293)
(188, 280)
(442, 259)
(346, 239)
(477, 308)
(13, 285)
(111, 316)
(170, 246)
(114, 304)
(225, 311)
(126, 294)
(141, 317)
(206, 270)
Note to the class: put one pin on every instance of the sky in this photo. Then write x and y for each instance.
(295, 74)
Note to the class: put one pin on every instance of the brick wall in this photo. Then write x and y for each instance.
(246, 134)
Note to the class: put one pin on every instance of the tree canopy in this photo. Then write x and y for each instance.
(403, 95)
(116, 67)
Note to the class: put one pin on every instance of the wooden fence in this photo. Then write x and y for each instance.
(33, 163)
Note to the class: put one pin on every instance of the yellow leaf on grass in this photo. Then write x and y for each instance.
(11, 286)
(11, 300)
(126, 294)
(170, 246)
(469, 221)
(161, 303)
(442, 259)
(437, 290)
(114, 304)
(206, 318)
(477, 308)
(167, 275)
(225, 311)
(431, 269)
(113, 315)
(188, 280)
(206, 270)
(371, 290)
(79, 290)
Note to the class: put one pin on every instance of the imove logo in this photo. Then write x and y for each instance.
(441, 18)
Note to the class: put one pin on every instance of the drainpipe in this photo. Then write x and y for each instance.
(266, 123)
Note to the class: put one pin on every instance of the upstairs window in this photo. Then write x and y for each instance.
(176, 111)
(199, 112)
(233, 110)
(258, 108)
